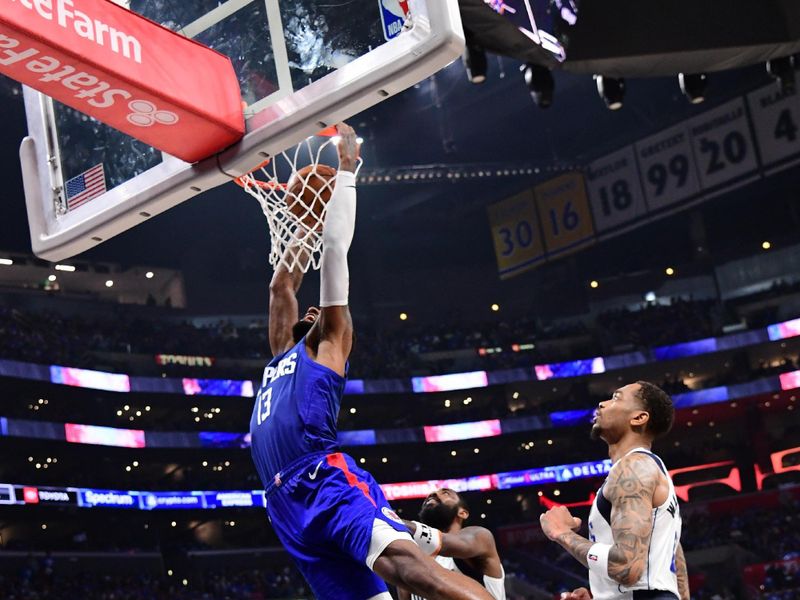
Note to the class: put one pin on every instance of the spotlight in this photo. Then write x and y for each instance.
(475, 63)
(611, 91)
(693, 86)
(782, 70)
(540, 83)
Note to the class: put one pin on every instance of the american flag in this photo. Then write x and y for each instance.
(89, 184)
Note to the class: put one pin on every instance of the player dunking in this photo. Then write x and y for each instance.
(634, 549)
(331, 516)
(469, 550)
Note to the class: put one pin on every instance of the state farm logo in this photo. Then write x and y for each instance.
(147, 114)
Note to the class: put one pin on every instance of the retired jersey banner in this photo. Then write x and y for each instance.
(565, 214)
(124, 70)
(515, 231)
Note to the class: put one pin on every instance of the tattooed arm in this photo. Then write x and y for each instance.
(559, 525)
(629, 488)
(683, 575)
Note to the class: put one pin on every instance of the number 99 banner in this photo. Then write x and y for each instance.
(515, 231)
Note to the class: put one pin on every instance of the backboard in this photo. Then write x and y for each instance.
(302, 65)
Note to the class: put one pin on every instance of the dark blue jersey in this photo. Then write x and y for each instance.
(295, 411)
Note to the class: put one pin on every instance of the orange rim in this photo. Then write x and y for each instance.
(271, 185)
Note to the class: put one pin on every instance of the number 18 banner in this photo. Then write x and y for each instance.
(615, 190)
(515, 231)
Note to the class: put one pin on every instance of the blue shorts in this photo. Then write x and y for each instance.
(334, 520)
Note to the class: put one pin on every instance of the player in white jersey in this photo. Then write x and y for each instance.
(633, 550)
(472, 551)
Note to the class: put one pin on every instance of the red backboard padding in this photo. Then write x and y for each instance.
(124, 70)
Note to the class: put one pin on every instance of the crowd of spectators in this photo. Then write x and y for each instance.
(39, 581)
(48, 337)
(769, 535)
(782, 582)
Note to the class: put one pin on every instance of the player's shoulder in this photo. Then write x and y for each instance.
(479, 533)
(633, 471)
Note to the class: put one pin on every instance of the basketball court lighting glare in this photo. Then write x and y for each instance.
(109, 283)
(6, 261)
(149, 274)
(669, 271)
(766, 245)
(495, 307)
(403, 316)
(67, 268)
(594, 284)
(51, 278)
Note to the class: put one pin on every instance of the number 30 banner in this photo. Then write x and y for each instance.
(515, 231)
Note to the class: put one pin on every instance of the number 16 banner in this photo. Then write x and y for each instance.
(515, 232)
(564, 214)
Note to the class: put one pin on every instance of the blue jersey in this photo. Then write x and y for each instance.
(323, 507)
(295, 411)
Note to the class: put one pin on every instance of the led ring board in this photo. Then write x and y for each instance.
(301, 66)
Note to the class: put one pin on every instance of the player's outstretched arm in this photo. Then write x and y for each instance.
(470, 542)
(283, 309)
(335, 329)
(629, 488)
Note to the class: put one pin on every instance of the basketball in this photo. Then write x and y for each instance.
(307, 193)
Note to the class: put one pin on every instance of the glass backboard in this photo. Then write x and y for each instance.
(302, 65)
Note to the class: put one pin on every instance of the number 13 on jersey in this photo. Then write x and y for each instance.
(264, 404)
(515, 232)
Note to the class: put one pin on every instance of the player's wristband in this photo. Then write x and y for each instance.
(597, 559)
(427, 538)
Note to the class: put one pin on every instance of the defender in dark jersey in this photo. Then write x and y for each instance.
(331, 516)
(466, 549)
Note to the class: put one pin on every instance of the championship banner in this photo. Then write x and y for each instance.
(515, 232)
(125, 71)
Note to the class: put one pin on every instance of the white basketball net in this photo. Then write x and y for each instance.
(294, 209)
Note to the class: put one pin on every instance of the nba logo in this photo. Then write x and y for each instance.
(393, 16)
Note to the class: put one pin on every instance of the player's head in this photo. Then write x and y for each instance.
(443, 508)
(641, 408)
(304, 325)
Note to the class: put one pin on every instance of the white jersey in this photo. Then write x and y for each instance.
(660, 571)
(494, 585)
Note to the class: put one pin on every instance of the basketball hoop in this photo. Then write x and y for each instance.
(293, 189)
